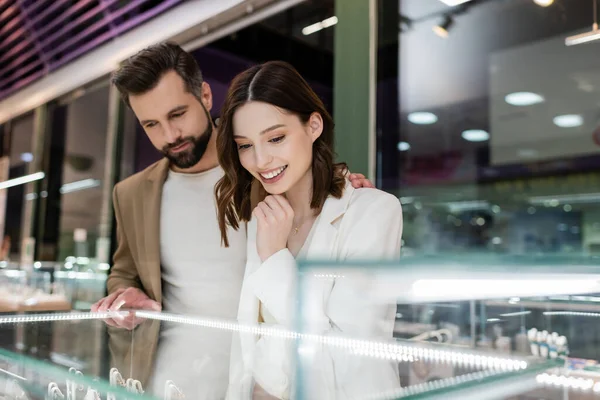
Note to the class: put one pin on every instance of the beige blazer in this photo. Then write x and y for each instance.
(137, 202)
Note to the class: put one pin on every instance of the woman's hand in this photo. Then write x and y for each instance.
(274, 217)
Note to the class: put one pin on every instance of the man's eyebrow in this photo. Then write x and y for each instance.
(269, 129)
(172, 111)
(176, 109)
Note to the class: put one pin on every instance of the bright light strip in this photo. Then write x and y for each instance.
(568, 382)
(571, 313)
(467, 205)
(12, 374)
(79, 185)
(516, 314)
(586, 37)
(384, 350)
(22, 180)
(453, 3)
(17, 319)
(568, 198)
(326, 23)
(490, 288)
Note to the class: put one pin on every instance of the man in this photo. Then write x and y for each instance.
(169, 255)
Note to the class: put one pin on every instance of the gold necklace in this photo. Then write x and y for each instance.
(299, 225)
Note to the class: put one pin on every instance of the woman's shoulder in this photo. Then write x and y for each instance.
(364, 198)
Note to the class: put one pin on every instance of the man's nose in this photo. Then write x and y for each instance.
(172, 133)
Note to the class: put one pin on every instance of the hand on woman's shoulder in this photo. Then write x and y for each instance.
(371, 198)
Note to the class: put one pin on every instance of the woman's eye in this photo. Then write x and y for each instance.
(277, 139)
(243, 146)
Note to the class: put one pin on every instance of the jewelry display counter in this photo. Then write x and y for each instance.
(53, 288)
(461, 330)
(541, 314)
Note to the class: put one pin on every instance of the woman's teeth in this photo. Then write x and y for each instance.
(273, 174)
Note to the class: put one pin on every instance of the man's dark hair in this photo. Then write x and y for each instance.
(141, 72)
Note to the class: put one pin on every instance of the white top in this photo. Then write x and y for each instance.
(364, 224)
(200, 277)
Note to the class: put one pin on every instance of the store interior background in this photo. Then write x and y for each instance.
(522, 184)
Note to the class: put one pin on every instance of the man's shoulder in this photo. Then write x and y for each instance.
(131, 184)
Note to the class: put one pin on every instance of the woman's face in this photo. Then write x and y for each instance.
(274, 145)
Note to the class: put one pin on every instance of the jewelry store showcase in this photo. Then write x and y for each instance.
(478, 118)
(464, 328)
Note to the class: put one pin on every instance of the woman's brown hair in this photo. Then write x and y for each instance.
(279, 84)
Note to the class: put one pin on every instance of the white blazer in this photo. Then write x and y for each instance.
(364, 224)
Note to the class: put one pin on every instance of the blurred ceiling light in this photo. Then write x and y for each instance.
(326, 23)
(568, 120)
(475, 135)
(586, 37)
(422, 118)
(22, 180)
(403, 146)
(442, 29)
(79, 185)
(523, 99)
(543, 3)
(581, 198)
(467, 205)
(454, 2)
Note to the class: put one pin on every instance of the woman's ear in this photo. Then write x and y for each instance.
(315, 125)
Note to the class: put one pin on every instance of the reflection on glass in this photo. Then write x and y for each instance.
(497, 143)
(83, 172)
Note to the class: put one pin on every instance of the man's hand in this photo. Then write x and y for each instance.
(275, 218)
(129, 298)
(359, 181)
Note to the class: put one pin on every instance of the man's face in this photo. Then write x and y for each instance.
(176, 122)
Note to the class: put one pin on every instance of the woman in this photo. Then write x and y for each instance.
(275, 131)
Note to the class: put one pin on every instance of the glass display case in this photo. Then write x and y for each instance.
(465, 327)
(51, 286)
(498, 328)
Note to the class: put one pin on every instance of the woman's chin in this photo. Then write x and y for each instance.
(272, 190)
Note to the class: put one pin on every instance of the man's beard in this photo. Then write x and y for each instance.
(193, 155)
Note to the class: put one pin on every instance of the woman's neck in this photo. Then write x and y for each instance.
(300, 196)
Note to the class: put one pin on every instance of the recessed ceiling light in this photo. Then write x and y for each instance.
(27, 157)
(543, 3)
(523, 98)
(475, 135)
(403, 146)
(326, 23)
(422, 118)
(454, 2)
(568, 120)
